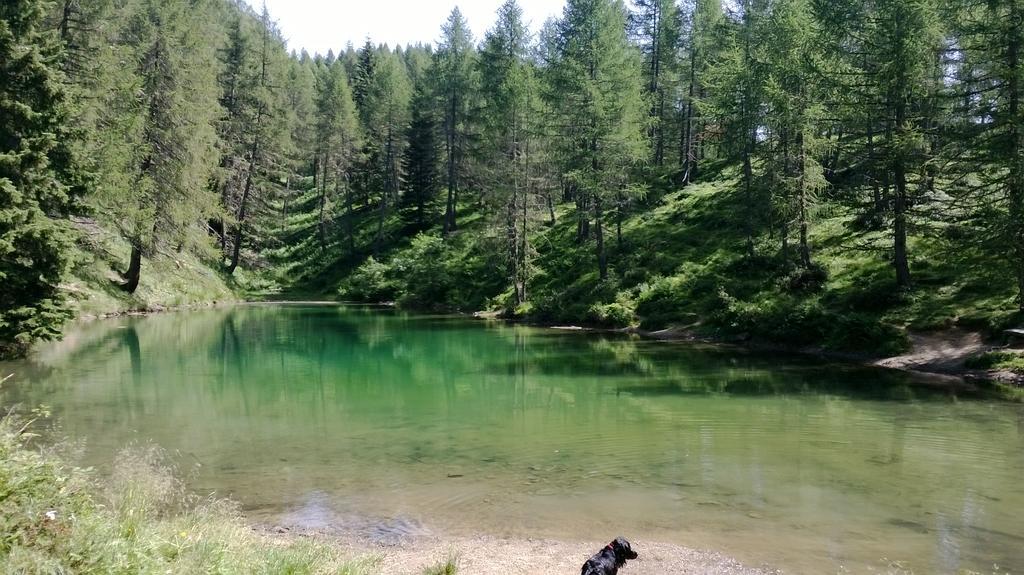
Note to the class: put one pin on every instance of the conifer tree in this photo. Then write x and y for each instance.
(795, 173)
(510, 112)
(597, 92)
(992, 32)
(657, 25)
(423, 154)
(167, 110)
(37, 177)
(337, 141)
(386, 112)
(454, 59)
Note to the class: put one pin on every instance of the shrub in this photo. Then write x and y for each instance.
(1008, 360)
(59, 519)
(371, 282)
(617, 314)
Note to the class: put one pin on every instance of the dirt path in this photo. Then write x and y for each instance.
(942, 352)
(495, 556)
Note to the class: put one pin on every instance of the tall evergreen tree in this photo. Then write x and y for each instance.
(793, 113)
(597, 92)
(510, 112)
(36, 178)
(657, 25)
(423, 154)
(169, 131)
(992, 33)
(454, 58)
(387, 109)
(337, 141)
(261, 141)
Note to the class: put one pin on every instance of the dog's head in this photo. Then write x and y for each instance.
(622, 550)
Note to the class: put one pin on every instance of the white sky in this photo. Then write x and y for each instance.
(319, 25)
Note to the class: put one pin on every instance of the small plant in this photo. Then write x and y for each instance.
(449, 566)
(1006, 360)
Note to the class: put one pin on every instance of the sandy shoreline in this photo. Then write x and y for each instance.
(485, 555)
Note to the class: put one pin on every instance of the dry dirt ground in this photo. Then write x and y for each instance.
(943, 352)
(495, 556)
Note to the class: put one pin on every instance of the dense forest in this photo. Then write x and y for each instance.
(806, 172)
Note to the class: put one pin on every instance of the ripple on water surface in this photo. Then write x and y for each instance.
(392, 425)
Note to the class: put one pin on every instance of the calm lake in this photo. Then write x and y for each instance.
(388, 423)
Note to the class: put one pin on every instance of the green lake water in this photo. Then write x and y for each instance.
(387, 424)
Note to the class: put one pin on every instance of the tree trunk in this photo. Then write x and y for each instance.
(619, 206)
(805, 247)
(688, 150)
(1015, 179)
(450, 207)
(748, 196)
(900, 260)
(321, 220)
(236, 249)
(134, 270)
(349, 217)
(602, 257)
(583, 217)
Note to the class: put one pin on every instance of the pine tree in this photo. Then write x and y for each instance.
(793, 113)
(992, 32)
(657, 25)
(256, 106)
(454, 61)
(703, 21)
(597, 92)
(165, 109)
(387, 110)
(508, 90)
(36, 181)
(423, 155)
(337, 142)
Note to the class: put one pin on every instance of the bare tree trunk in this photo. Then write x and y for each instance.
(450, 207)
(322, 221)
(134, 272)
(900, 260)
(805, 248)
(1015, 181)
(688, 150)
(602, 257)
(236, 249)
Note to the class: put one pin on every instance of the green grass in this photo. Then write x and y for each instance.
(168, 279)
(449, 566)
(998, 360)
(682, 263)
(55, 518)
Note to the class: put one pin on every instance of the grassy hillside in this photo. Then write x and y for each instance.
(169, 279)
(682, 263)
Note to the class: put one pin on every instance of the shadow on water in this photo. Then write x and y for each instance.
(330, 415)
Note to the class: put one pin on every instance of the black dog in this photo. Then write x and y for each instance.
(608, 560)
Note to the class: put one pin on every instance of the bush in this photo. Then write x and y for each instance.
(618, 314)
(866, 334)
(795, 321)
(59, 519)
(1008, 360)
(371, 282)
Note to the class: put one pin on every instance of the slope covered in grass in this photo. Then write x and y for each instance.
(682, 262)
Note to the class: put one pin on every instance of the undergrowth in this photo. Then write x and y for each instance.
(56, 518)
